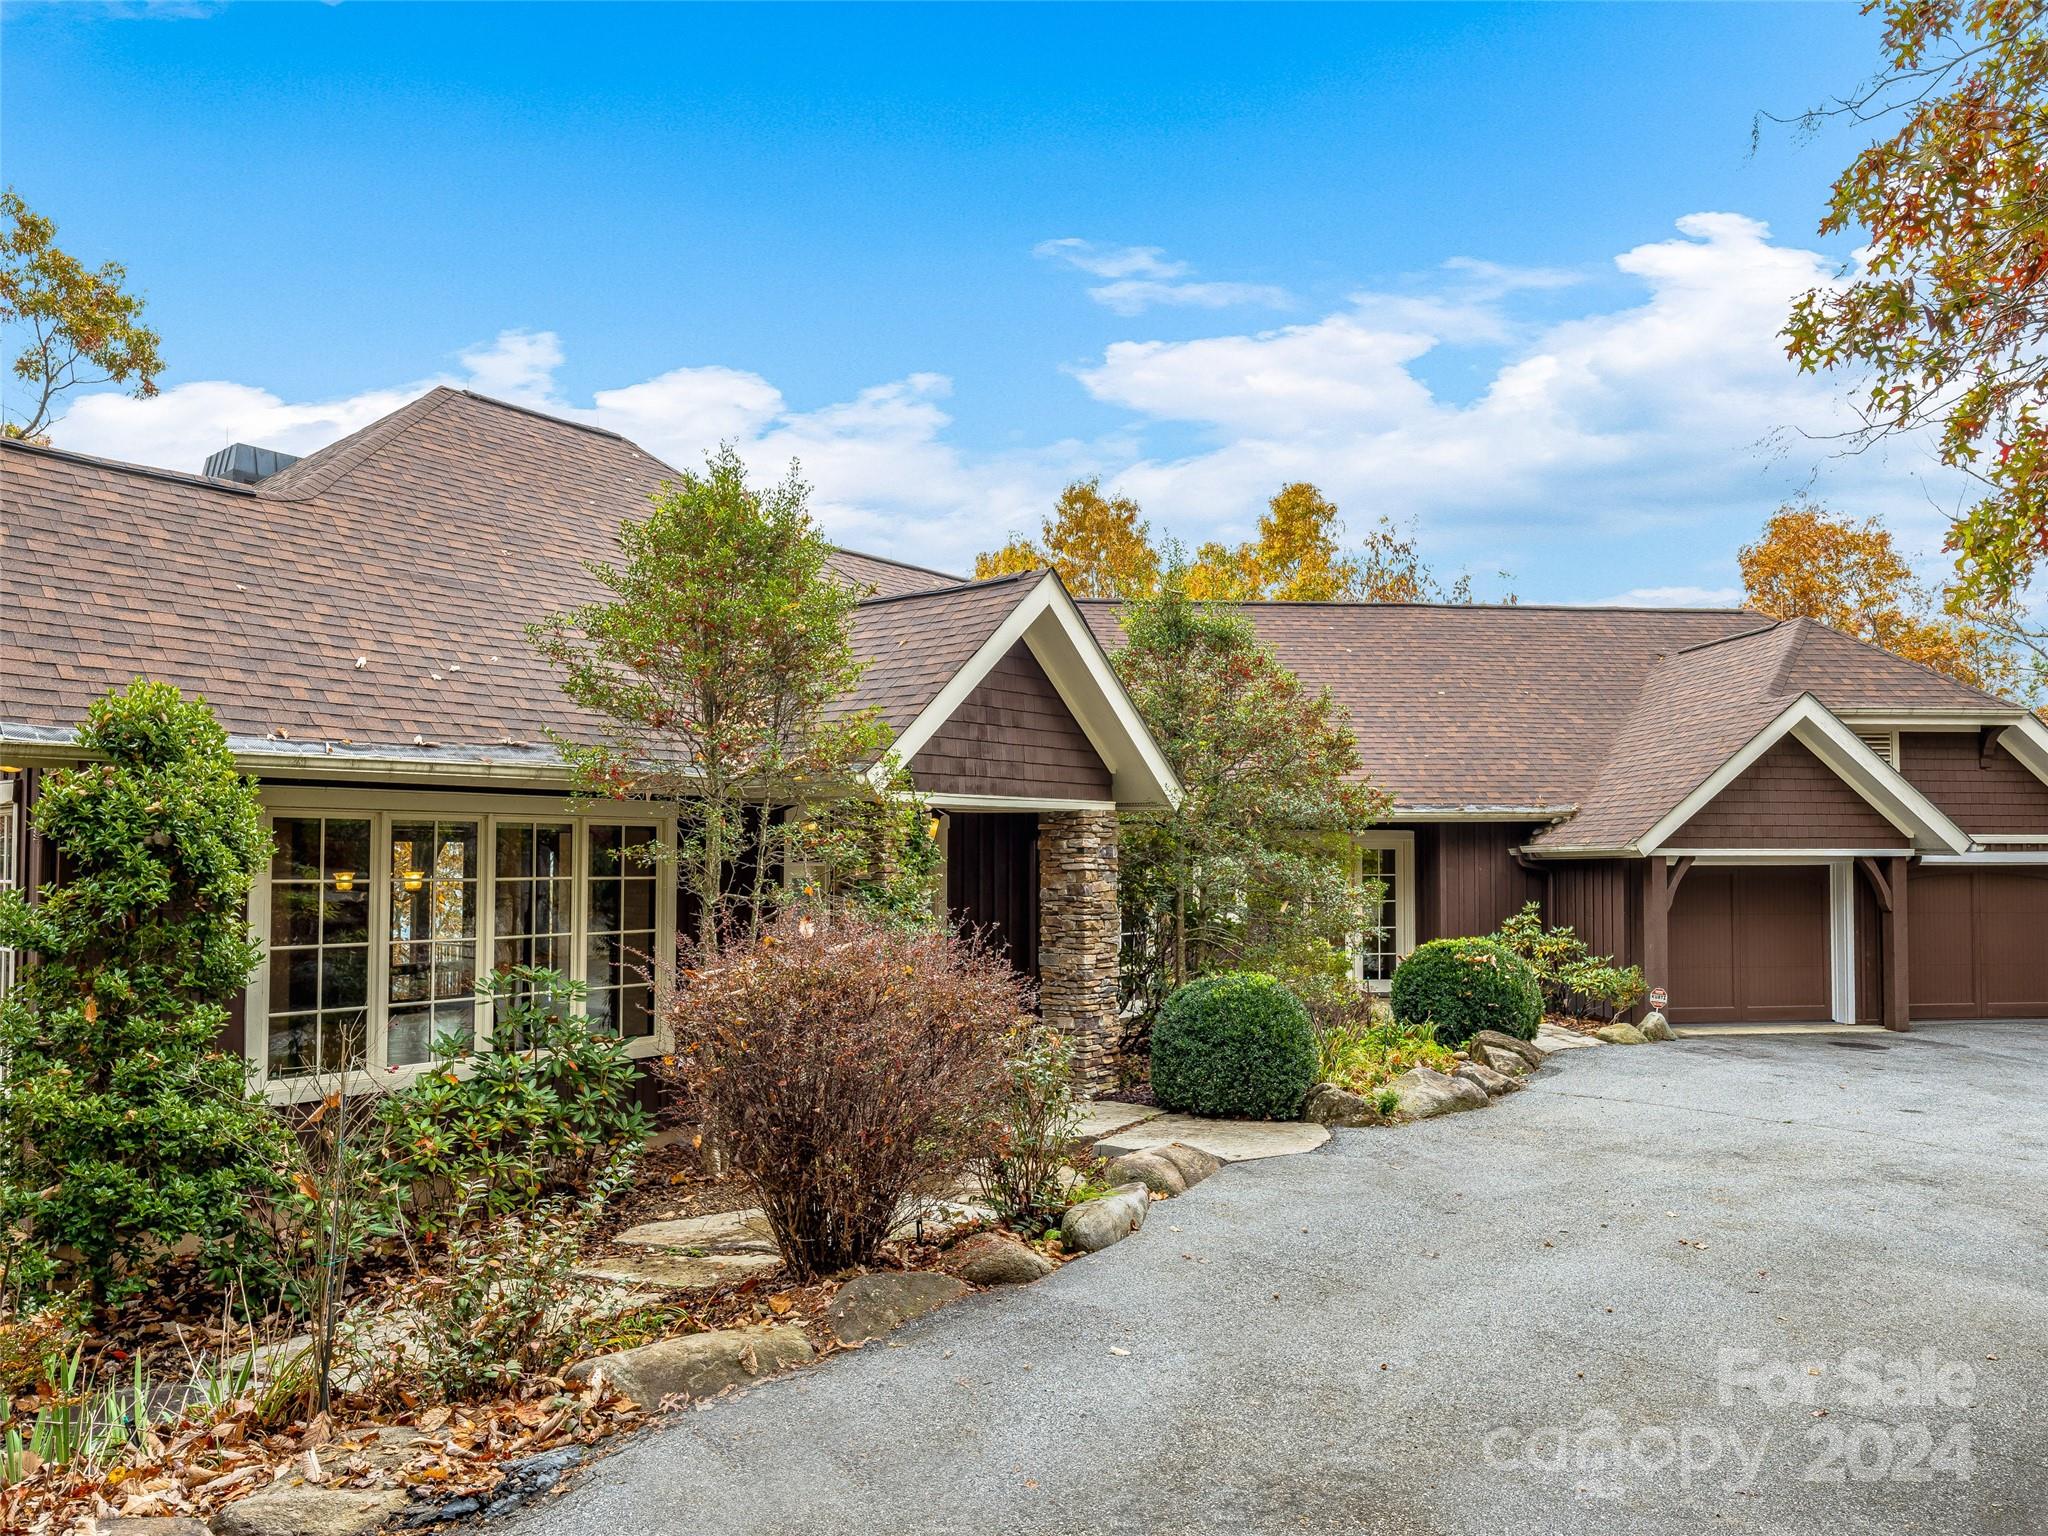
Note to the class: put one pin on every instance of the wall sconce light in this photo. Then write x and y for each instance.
(344, 879)
(413, 879)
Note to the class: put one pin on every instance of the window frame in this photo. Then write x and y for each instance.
(382, 809)
(1402, 941)
(10, 860)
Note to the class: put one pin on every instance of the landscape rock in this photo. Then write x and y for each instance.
(152, 1525)
(1172, 1169)
(871, 1305)
(1503, 1052)
(1425, 1092)
(1621, 1034)
(1093, 1225)
(311, 1512)
(1231, 1140)
(668, 1270)
(727, 1232)
(1327, 1104)
(996, 1258)
(1655, 1027)
(1490, 1082)
(1550, 1037)
(698, 1365)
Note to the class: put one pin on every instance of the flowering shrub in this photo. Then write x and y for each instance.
(844, 1064)
(1574, 980)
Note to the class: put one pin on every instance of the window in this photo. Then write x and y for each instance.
(619, 924)
(10, 831)
(320, 885)
(385, 912)
(431, 976)
(1389, 858)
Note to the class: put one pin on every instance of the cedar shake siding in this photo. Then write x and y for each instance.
(1013, 735)
(1984, 790)
(1467, 880)
(1788, 798)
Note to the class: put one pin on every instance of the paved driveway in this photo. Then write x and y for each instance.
(1517, 1321)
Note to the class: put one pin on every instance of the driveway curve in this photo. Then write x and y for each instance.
(1745, 1283)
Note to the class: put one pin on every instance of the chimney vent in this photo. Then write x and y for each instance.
(247, 465)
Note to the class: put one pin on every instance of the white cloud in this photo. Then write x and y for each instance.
(1143, 277)
(1672, 597)
(1627, 450)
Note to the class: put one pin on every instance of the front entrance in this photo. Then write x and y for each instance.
(1978, 941)
(1749, 945)
(992, 881)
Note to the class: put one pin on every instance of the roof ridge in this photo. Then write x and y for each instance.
(1747, 634)
(128, 467)
(325, 468)
(1894, 656)
(981, 584)
(907, 565)
(535, 411)
(1500, 607)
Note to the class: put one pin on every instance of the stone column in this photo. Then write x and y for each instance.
(1079, 932)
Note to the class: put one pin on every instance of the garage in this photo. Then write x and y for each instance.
(1978, 942)
(1749, 945)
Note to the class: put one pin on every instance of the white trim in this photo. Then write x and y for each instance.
(1879, 784)
(1056, 634)
(949, 802)
(1842, 939)
(1983, 860)
(1401, 812)
(381, 809)
(1402, 941)
(1931, 720)
(1779, 855)
(2028, 741)
(2017, 837)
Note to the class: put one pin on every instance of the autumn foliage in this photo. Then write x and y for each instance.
(846, 1065)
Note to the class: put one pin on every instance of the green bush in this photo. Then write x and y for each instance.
(1465, 985)
(123, 1128)
(1574, 980)
(547, 1109)
(1235, 1045)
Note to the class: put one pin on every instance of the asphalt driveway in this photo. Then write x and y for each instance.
(1785, 1284)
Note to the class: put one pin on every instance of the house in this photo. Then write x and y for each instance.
(1777, 822)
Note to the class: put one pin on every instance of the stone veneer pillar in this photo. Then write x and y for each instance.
(1079, 932)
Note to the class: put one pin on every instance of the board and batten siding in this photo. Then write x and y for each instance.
(1788, 798)
(1013, 736)
(1467, 879)
(1987, 791)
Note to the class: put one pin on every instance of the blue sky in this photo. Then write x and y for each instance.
(1430, 258)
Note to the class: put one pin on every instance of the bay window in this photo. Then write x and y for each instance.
(383, 914)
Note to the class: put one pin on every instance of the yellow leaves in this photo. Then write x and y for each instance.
(306, 1186)
(91, 1010)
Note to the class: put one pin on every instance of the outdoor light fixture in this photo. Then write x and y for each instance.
(344, 879)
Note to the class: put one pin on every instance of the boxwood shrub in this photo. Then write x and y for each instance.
(1465, 985)
(1235, 1045)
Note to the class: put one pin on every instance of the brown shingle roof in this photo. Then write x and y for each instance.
(1547, 708)
(914, 643)
(420, 546)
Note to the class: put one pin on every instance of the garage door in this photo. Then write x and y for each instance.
(1979, 943)
(1750, 946)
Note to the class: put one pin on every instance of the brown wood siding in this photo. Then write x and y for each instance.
(1601, 900)
(1978, 942)
(1466, 878)
(1869, 953)
(1013, 735)
(1981, 792)
(1788, 798)
(992, 881)
(1750, 945)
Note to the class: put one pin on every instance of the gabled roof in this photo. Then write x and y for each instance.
(371, 598)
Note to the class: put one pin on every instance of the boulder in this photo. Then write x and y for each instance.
(699, 1364)
(1491, 1083)
(996, 1258)
(1655, 1027)
(1327, 1104)
(1194, 1164)
(304, 1511)
(1503, 1052)
(1093, 1225)
(1425, 1092)
(1172, 1169)
(871, 1305)
(1621, 1034)
(152, 1525)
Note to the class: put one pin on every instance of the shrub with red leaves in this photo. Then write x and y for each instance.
(843, 1065)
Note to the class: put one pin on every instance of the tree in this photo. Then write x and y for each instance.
(1253, 868)
(1391, 570)
(123, 1128)
(1945, 320)
(1294, 558)
(1813, 564)
(715, 665)
(84, 327)
(1099, 544)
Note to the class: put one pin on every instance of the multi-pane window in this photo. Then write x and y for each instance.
(1383, 944)
(319, 945)
(619, 929)
(10, 832)
(431, 986)
(534, 899)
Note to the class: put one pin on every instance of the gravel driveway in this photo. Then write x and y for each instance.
(1597, 1307)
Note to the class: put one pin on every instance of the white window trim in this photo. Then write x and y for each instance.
(381, 808)
(10, 875)
(1403, 844)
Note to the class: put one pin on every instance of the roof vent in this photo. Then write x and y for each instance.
(245, 464)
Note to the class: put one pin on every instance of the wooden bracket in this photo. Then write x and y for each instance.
(1878, 883)
(1677, 873)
